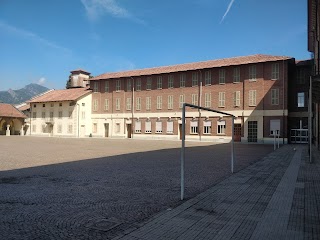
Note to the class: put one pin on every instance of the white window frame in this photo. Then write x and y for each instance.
(275, 126)
(128, 104)
(275, 96)
(170, 81)
(207, 100)
(252, 73)
(149, 83)
(137, 126)
(118, 85)
(222, 76)
(275, 73)
(221, 127)
(236, 98)
(118, 102)
(148, 103)
(95, 105)
(170, 127)
(158, 126)
(207, 127)
(148, 127)
(182, 80)
(194, 99)
(138, 103)
(182, 100)
(195, 79)
(194, 127)
(252, 97)
(207, 77)
(138, 84)
(222, 99)
(236, 74)
(129, 85)
(170, 102)
(106, 86)
(159, 102)
(106, 104)
(95, 86)
(159, 82)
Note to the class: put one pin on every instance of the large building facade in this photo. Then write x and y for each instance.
(147, 103)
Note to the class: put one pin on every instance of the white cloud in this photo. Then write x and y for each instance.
(41, 81)
(227, 11)
(30, 35)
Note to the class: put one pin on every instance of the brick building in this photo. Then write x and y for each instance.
(147, 103)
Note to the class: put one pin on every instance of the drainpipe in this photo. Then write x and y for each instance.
(199, 103)
(132, 107)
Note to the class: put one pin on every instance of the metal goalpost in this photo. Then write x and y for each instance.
(183, 133)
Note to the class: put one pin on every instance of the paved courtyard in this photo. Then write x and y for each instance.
(57, 188)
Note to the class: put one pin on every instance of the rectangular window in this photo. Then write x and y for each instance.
(207, 100)
(70, 127)
(222, 76)
(83, 115)
(252, 73)
(222, 99)
(60, 104)
(207, 77)
(106, 86)
(170, 102)
(181, 100)
(193, 127)
(170, 81)
(137, 127)
(117, 104)
(60, 114)
(148, 127)
(34, 115)
(128, 104)
(301, 99)
(275, 96)
(275, 71)
(170, 127)
(148, 103)
(51, 104)
(158, 127)
(95, 128)
(275, 127)
(159, 82)
(207, 127)
(106, 104)
(149, 83)
(138, 103)
(118, 85)
(59, 128)
(43, 105)
(138, 84)
(221, 127)
(236, 98)
(129, 85)
(252, 98)
(182, 80)
(195, 76)
(194, 99)
(95, 105)
(51, 116)
(95, 86)
(43, 115)
(236, 74)
(159, 102)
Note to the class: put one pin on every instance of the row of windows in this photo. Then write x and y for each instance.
(51, 115)
(44, 128)
(182, 79)
(194, 100)
(52, 104)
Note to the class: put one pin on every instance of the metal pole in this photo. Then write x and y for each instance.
(274, 139)
(183, 149)
(232, 145)
(278, 139)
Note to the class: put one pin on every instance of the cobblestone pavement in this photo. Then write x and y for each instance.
(275, 198)
(56, 188)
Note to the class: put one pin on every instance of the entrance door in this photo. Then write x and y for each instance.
(106, 130)
(252, 131)
(237, 132)
(129, 129)
(180, 131)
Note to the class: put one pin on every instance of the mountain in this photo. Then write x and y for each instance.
(21, 95)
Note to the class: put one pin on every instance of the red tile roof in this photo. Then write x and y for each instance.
(7, 110)
(24, 107)
(79, 70)
(193, 66)
(71, 94)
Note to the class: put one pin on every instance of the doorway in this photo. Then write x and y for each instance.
(252, 131)
(237, 132)
(106, 130)
(180, 131)
(129, 129)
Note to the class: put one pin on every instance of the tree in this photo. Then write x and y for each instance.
(68, 84)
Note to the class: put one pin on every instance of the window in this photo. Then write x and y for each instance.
(106, 104)
(252, 73)
(170, 81)
(95, 128)
(95, 86)
(170, 102)
(252, 97)
(149, 83)
(138, 84)
(43, 105)
(195, 79)
(182, 80)
(118, 85)
(137, 128)
(193, 127)
(138, 104)
(51, 104)
(158, 127)
(83, 115)
(34, 128)
(51, 116)
(95, 105)
(148, 103)
(34, 115)
(59, 128)
(236, 74)
(222, 99)
(275, 71)
(181, 100)
(128, 104)
(34, 105)
(207, 127)
(83, 104)
(170, 127)
(207, 77)
(159, 82)
(301, 99)
(70, 128)
(194, 99)
(222, 76)
(275, 96)
(60, 114)
(129, 85)
(159, 102)
(252, 131)
(117, 104)
(70, 114)
(43, 115)
(60, 104)
(148, 127)
(236, 98)
(274, 127)
(106, 86)
(207, 100)
(221, 127)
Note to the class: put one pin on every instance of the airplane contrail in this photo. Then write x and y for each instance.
(227, 11)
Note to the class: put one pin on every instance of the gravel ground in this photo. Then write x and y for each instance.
(59, 188)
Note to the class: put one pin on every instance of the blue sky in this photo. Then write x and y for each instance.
(42, 41)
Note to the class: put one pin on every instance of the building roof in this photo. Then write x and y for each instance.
(307, 62)
(193, 66)
(80, 71)
(23, 107)
(61, 95)
(8, 110)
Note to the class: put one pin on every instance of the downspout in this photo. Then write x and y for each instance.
(132, 107)
(199, 102)
(283, 98)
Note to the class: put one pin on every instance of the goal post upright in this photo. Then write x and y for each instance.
(183, 132)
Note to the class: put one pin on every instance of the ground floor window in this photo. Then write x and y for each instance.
(207, 127)
(148, 127)
(159, 127)
(193, 127)
(221, 127)
(169, 127)
(275, 127)
(252, 131)
(137, 128)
